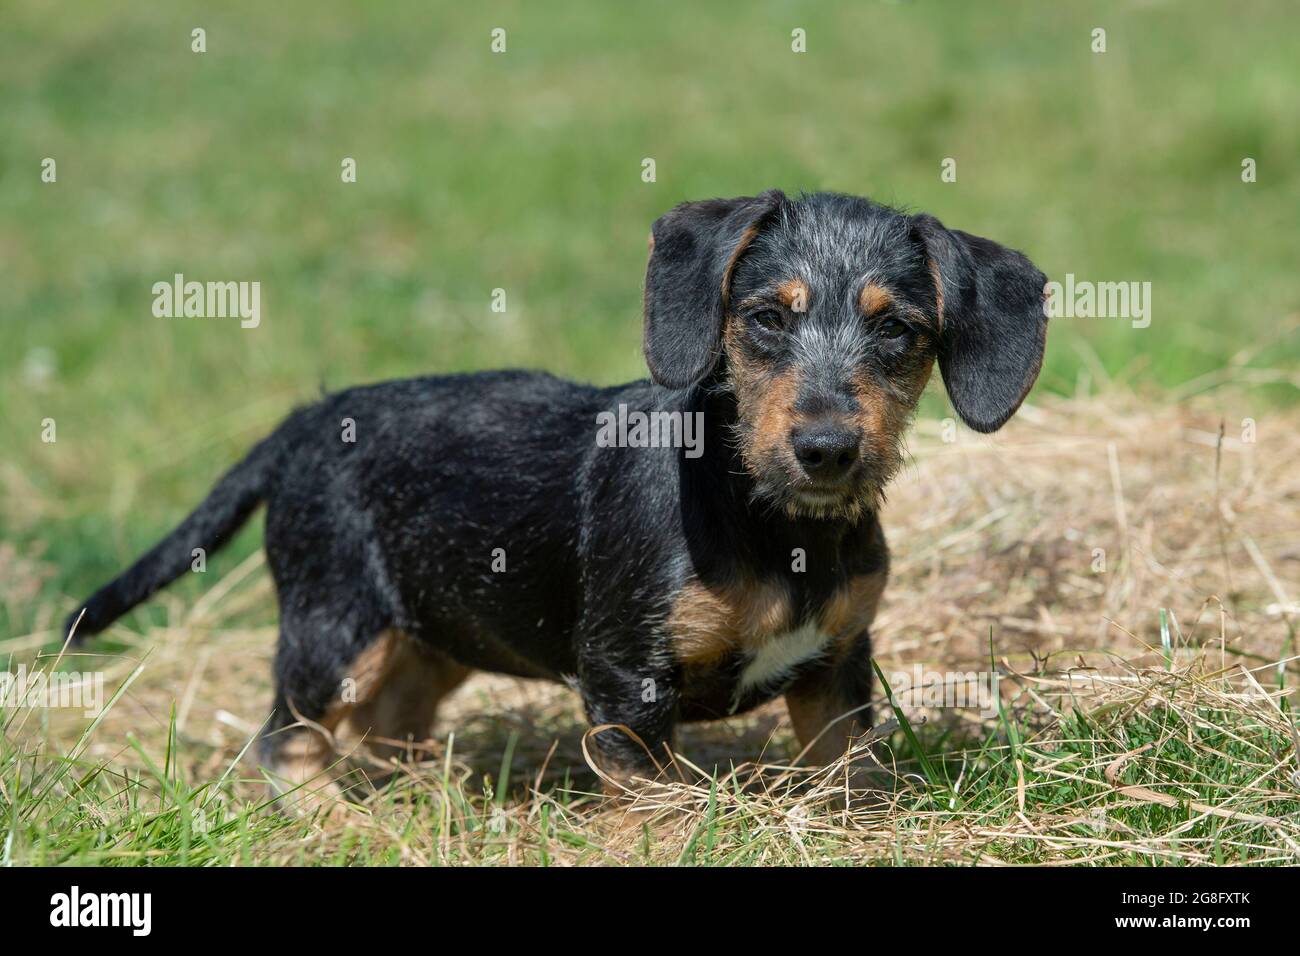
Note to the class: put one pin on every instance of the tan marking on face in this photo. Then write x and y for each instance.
(746, 238)
(874, 298)
(794, 295)
(708, 623)
(922, 378)
(880, 417)
(775, 416)
(851, 608)
(766, 404)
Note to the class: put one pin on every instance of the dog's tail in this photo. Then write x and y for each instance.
(209, 527)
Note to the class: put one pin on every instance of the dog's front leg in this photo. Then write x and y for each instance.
(639, 702)
(830, 707)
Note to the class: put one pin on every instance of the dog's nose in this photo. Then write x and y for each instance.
(826, 452)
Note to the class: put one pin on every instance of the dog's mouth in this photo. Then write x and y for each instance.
(848, 500)
(843, 502)
(814, 498)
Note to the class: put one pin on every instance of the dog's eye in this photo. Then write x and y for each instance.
(892, 329)
(769, 319)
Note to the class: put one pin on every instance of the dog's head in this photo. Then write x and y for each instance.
(824, 315)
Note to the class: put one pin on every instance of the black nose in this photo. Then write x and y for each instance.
(826, 452)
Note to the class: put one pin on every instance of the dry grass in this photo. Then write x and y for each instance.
(1132, 567)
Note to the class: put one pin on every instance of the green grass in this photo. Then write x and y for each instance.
(1172, 769)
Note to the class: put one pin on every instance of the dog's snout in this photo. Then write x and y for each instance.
(826, 451)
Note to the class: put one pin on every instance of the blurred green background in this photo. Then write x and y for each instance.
(522, 171)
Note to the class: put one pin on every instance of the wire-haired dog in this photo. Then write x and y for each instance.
(474, 521)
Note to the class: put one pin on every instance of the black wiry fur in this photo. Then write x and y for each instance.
(398, 529)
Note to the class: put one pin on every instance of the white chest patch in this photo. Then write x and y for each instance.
(780, 655)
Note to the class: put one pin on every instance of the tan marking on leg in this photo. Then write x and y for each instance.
(370, 668)
(299, 764)
(302, 753)
(398, 685)
(397, 713)
(709, 623)
(815, 713)
(630, 781)
(874, 298)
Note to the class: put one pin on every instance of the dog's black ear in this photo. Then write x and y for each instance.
(992, 323)
(693, 249)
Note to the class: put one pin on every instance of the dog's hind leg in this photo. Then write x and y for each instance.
(372, 705)
(324, 666)
(395, 716)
